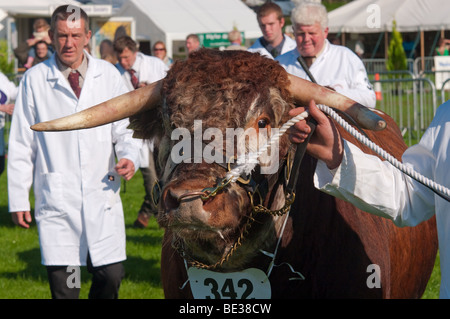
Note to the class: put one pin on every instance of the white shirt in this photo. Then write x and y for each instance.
(289, 44)
(336, 67)
(377, 187)
(77, 190)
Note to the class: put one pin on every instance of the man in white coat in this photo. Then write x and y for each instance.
(376, 186)
(74, 174)
(273, 42)
(333, 66)
(138, 70)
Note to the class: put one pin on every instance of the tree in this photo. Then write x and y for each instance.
(396, 60)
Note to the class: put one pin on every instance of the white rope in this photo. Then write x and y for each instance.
(247, 162)
(408, 170)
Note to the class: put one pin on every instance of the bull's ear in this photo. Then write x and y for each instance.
(147, 125)
(304, 91)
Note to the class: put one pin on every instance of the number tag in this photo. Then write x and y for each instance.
(251, 283)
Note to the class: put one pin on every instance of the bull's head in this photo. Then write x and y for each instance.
(220, 90)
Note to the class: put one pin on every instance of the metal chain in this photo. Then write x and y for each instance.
(289, 200)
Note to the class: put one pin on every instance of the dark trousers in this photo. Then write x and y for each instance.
(2, 164)
(150, 176)
(105, 281)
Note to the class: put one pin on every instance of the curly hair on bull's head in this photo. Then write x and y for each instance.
(220, 87)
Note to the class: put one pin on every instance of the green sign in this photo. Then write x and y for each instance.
(216, 39)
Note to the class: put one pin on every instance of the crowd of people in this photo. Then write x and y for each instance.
(79, 173)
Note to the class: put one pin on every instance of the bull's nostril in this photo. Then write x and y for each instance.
(171, 200)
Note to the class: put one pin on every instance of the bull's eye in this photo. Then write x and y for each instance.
(262, 123)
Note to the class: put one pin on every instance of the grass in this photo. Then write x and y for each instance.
(23, 277)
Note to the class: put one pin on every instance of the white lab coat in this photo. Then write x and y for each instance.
(377, 187)
(9, 90)
(77, 200)
(336, 67)
(289, 44)
(149, 69)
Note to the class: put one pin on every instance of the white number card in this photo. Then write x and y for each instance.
(251, 283)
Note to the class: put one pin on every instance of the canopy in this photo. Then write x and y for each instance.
(374, 16)
(173, 20)
(44, 8)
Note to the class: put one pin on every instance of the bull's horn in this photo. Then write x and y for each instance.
(304, 91)
(118, 108)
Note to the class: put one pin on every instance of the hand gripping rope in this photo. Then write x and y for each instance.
(247, 162)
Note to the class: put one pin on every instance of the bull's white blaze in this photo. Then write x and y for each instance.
(237, 144)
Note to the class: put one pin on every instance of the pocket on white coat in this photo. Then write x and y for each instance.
(51, 199)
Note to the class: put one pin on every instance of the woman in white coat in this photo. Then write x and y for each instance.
(74, 174)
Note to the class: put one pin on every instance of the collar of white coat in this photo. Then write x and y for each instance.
(137, 63)
(322, 53)
(55, 74)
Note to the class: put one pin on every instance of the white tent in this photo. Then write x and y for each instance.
(44, 8)
(173, 20)
(374, 16)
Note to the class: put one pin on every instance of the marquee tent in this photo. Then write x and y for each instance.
(44, 8)
(173, 20)
(377, 16)
(374, 16)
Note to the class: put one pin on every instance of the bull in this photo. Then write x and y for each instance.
(249, 237)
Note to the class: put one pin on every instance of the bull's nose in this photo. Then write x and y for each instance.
(171, 201)
(174, 197)
(184, 207)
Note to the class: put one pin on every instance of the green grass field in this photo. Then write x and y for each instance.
(23, 277)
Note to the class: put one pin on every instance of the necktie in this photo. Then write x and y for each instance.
(274, 52)
(309, 60)
(74, 80)
(134, 79)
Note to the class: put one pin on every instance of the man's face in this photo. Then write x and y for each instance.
(271, 27)
(127, 58)
(192, 45)
(310, 38)
(69, 39)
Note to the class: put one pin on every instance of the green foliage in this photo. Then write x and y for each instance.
(5, 66)
(396, 60)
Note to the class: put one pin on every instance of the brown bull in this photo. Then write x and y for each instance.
(325, 248)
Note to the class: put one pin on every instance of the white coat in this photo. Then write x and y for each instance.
(377, 187)
(8, 92)
(289, 44)
(77, 198)
(149, 69)
(336, 67)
